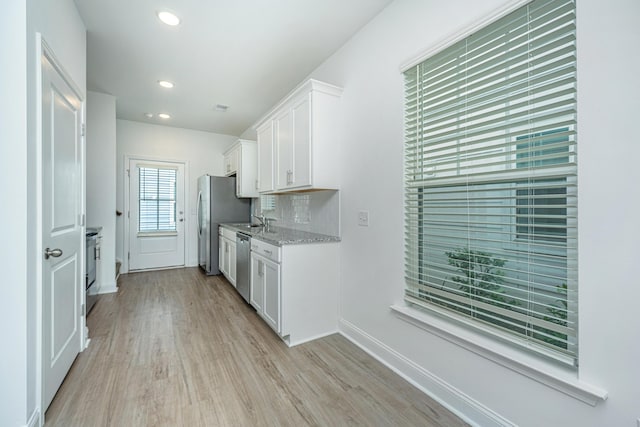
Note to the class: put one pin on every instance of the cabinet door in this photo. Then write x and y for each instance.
(257, 283)
(265, 158)
(231, 162)
(301, 143)
(222, 251)
(232, 262)
(271, 308)
(227, 165)
(284, 150)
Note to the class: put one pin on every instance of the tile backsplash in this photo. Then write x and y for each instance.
(317, 211)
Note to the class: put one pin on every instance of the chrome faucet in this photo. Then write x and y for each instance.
(267, 223)
(262, 219)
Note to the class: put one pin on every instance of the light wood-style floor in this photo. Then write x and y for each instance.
(177, 348)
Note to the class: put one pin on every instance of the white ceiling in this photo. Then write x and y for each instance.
(246, 54)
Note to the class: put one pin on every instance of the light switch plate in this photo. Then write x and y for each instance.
(363, 218)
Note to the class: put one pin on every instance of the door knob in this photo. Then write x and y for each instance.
(52, 252)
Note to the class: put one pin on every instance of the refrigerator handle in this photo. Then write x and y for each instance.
(198, 212)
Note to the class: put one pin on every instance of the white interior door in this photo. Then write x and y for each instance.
(156, 212)
(62, 232)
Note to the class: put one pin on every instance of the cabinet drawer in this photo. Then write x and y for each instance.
(267, 250)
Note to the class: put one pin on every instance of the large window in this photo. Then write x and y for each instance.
(157, 199)
(490, 180)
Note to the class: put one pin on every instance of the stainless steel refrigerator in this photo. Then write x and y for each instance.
(217, 203)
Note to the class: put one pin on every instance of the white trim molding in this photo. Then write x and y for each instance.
(126, 177)
(462, 405)
(514, 359)
(466, 31)
(34, 419)
(108, 288)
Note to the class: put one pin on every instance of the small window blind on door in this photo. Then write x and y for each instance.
(491, 180)
(157, 199)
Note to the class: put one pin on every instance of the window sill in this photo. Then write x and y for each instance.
(157, 233)
(559, 378)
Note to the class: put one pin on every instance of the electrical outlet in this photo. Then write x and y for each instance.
(363, 218)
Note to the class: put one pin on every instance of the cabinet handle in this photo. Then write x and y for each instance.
(260, 268)
(257, 185)
(266, 251)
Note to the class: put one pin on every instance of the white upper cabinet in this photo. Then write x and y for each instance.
(303, 130)
(241, 160)
(284, 149)
(265, 157)
(231, 160)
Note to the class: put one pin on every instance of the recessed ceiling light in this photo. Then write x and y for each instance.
(164, 116)
(148, 115)
(165, 83)
(221, 107)
(168, 18)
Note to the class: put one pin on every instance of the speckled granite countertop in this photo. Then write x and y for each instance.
(282, 236)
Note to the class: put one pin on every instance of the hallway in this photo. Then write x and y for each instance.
(177, 348)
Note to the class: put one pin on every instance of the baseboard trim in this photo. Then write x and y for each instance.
(312, 338)
(34, 419)
(108, 288)
(465, 407)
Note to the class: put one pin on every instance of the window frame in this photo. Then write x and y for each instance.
(142, 198)
(513, 229)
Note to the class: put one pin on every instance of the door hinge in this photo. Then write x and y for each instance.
(81, 220)
(128, 255)
(82, 309)
(129, 173)
(128, 214)
(83, 129)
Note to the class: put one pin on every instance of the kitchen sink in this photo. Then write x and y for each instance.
(249, 226)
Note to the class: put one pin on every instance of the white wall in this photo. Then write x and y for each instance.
(13, 187)
(202, 151)
(368, 67)
(101, 181)
(62, 28)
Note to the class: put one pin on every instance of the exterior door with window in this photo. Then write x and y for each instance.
(156, 214)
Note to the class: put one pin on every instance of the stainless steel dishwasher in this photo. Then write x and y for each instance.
(243, 262)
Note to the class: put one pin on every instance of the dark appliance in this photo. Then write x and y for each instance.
(243, 261)
(217, 203)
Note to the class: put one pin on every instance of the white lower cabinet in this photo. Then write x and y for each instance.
(222, 255)
(227, 254)
(271, 309)
(232, 262)
(257, 283)
(265, 289)
(294, 288)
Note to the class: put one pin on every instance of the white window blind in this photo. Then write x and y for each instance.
(157, 199)
(490, 179)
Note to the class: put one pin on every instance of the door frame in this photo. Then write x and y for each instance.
(127, 193)
(43, 49)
